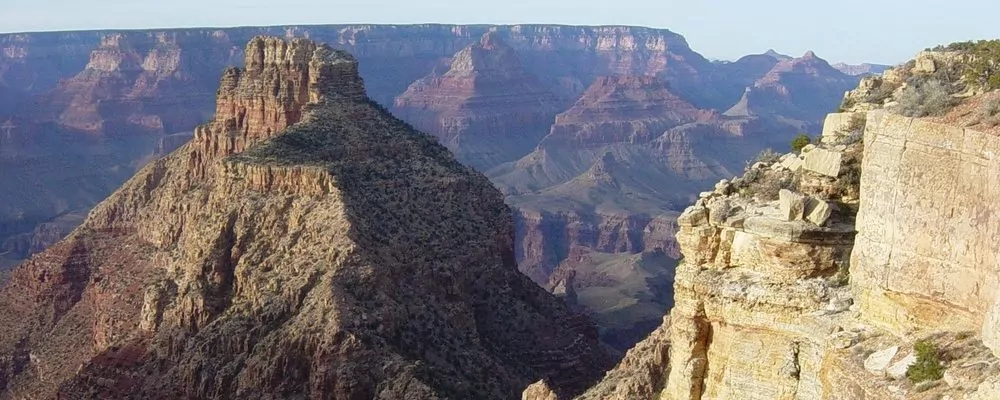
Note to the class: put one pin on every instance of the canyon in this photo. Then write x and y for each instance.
(305, 243)
(598, 136)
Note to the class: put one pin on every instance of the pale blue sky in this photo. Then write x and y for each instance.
(886, 31)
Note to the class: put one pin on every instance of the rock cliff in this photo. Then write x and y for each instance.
(486, 108)
(305, 244)
(861, 268)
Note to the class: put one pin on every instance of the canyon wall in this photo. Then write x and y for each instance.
(785, 299)
(926, 255)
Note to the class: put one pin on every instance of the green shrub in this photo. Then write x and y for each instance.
(928, 365)
(925, 99)
(982, 66)
(800, 141)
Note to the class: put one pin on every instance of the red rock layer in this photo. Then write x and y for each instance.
(486, 108)
(622, 109)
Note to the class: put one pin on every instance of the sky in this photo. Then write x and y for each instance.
(855, 31)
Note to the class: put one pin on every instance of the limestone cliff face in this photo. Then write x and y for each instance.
(772, 303)
(305, 244)
(925, 257)
(487, 109)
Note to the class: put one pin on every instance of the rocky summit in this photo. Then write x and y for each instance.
(305, 244)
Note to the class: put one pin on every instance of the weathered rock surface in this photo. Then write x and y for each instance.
(305, 244)
(773, 309)
(486, 108)
(925, 256)
(642, 374)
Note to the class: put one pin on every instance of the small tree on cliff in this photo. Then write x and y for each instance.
(800, 141)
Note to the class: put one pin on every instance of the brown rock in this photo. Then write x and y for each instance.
(265, 257)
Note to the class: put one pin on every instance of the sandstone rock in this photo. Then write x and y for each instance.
(823, 162)
(907, 276)
(792, 205)
(818, 211)
(991, 327)
(808, 148)
(878, 361)
(539, 391)
(693, 216)
(723, 187)
(835, 126)
(898, 369)
(792, 163)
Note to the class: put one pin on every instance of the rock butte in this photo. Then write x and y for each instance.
(305, 244)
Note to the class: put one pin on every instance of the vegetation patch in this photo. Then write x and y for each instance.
(928, 365)
(800, 141)
(924, 99)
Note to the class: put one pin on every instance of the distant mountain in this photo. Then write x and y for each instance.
(777, 56)
(861, 69)
(486, 108)
(802, 89)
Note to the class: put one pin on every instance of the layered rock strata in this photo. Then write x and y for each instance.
(305, 244)
(767, 308)
(487, 109)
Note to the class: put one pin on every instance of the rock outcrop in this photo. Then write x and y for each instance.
(771, 305)
(305, 244)
(486, 108)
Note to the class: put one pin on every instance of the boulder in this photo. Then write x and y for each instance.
(693, 216)
(818, 211)
(718, 211)
(898, 369)
(792, 163)
(834, 126)
(879, 360)
(808, 148)
(792, 205)
(824, 162)
(539, 391)
(723, 187)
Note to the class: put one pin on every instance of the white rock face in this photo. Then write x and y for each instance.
(898, 369)
(834, 126)
(879, 360)
(818, 211)
(791, 204)
(926, 253)
(824, 162)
